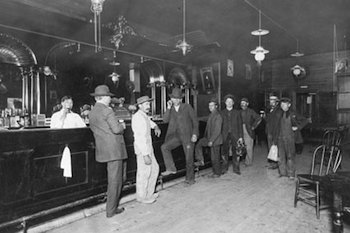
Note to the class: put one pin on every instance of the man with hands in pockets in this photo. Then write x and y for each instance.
(147, 166)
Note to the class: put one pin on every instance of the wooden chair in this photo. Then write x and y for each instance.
(331, 138)
(324, 161)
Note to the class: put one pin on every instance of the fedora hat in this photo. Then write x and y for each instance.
(176, 93)
(102, 90)
(143, 99)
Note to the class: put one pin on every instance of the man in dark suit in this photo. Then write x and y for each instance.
(182, 130)
(212, 138)
(231, 132)
(289, 124)
(110, 145)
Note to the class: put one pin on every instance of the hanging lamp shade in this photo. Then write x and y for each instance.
(297, 53)
(259, 52)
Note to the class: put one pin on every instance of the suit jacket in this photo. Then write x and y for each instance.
(252, 120)
(108, 134)
(236, 123)
(213, 128)
(187, 122)
(141, 126)
(297, 120)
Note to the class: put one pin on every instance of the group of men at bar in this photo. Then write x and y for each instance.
(225, 133)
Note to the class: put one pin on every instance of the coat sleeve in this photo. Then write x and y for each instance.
(166, 116)
(257, 119)
(216, 128)
(112, 122)
(239, 124)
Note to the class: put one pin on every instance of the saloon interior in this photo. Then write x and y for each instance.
(209, 48)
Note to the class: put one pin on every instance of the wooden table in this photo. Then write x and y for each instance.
(339, 184)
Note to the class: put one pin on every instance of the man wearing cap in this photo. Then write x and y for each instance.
(182, 130)
(271, 124)
(110, 145)
(212, 138)
(147, 166)
(289, 124)
(250, 120)
(232, 132)
(66, 118)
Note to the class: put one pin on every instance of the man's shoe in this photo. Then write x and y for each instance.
(147, 201)
(189, 183)
(199, 163)
(237, 172)
(272, 167)
(166, 173)
(214, 176)
(117, 211)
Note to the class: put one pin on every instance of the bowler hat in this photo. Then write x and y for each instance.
(176, 93)
(143, 99)
(273, 96)
(245, 100)
(286, 100)
(229, 96)
(213, 100)
(102, 90)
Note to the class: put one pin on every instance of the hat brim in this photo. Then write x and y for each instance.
(102, 94)
(144, 101)
(176, 97)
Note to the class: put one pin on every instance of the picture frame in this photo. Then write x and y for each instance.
(207, 80)
(230, 68)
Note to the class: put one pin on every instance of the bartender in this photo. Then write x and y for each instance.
(66, 118)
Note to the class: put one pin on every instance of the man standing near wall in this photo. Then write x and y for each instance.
(212, 139)
(147, 166)
(271, 124)
(182, 130)
(110, 146)
(289, 123)
(250, 121)
(231, 132)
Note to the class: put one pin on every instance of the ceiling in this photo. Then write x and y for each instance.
(215, 27)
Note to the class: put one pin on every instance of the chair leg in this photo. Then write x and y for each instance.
(317, 201)
(296, 195)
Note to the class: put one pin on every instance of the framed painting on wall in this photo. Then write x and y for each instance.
(230, 68)
(208, 81)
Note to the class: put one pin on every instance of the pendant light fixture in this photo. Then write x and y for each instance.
(297, 53)
(114, 76)
(259, 52)
(182, 44)
(96, 8)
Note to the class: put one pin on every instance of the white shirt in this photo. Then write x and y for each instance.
(141, 125)
(72, 120)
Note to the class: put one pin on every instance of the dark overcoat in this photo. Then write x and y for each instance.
(236, 123)
(185, 118)
(213, 128)
(108, 134)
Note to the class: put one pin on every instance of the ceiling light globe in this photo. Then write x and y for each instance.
(259, 56)
(296, 72)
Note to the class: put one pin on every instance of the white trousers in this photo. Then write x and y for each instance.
(146, 177)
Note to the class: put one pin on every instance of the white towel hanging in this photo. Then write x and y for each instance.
(66, 164)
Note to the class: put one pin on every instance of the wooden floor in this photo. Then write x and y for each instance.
(256, 201)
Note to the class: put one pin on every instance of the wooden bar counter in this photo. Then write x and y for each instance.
(31, 179)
